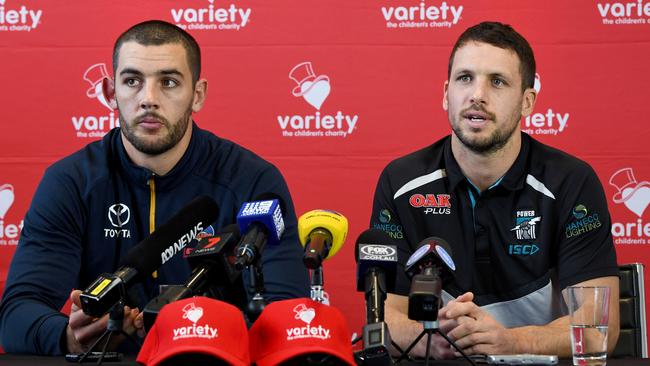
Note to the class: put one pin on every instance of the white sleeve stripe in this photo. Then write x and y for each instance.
(420, 181)
(538, 186)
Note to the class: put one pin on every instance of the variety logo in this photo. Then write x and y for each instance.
(314, 89)
(395, 231)
(307, 315)
(8, 232)
(584, 222)
(624, 13)
(525, 223)
(549, 123)
(422, 16)
(635, 196)
(119, 215)
(18, 20)
(99, 125)
(193, 313)
(435, 204)
(212, 17)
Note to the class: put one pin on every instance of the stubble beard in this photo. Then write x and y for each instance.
(164, 143)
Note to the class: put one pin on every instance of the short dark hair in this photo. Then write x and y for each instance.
(156, 33)
(502, 36)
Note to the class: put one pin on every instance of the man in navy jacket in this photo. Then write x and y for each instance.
(93, 206)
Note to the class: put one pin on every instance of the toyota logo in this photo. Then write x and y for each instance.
(119, 214)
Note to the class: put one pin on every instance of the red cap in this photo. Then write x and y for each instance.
(197, 325)
(296, 327)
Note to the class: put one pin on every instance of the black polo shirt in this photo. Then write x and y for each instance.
(541, 227)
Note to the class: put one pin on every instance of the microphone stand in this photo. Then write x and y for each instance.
(256, 283)
(114, 327)
(316, 276)
(426, 289)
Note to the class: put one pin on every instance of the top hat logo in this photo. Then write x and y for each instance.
(538, 84)
(304, 313)
(314, 89)
(192, 312)
(6, 199)
(634, 195)
(94, 76)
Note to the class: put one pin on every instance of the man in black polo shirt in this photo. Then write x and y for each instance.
(524, 220)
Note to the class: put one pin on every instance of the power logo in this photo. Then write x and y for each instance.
(212, 17)
(96, 126)
(422, 16)
(635, 196)
(18, 20)
(314, 89)
(9, 233)
(545, 123)
(624, 13)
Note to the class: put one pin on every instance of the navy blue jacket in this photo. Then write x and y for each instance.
(72, 231)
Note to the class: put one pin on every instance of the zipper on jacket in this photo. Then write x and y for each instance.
(152, 211)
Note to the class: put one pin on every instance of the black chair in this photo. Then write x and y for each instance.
(633, 339)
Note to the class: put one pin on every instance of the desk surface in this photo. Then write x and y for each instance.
(20, 360)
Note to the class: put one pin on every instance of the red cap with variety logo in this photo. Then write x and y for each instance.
(197, 325)
(298, 327)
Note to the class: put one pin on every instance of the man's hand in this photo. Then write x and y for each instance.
(477, 332)
(83, 330)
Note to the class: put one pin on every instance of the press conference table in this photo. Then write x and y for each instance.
(25, 360)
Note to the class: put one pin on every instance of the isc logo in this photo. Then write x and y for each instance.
(523, 249)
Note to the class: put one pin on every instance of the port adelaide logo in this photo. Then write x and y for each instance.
(525, 228)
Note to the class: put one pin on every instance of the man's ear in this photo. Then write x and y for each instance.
(445, 102)
(528, 102)
(108, 89)
(200, 92)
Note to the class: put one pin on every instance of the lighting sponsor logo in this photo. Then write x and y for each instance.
(395, 231)
(545, 123)
(314, 90)
(181, 243)
(525, 224)
(194, 313)
(583, 223)
(307, 315)
(212, 17)
(22, 19)
(624, 13)
(635, 196)
(119, 215)
(423, 15)
(435, 204)
(96, 126)
(9, 233)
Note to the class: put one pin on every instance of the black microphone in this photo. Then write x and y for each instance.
(148, 255)
(211, 267)
(376, 272)
(428, 267)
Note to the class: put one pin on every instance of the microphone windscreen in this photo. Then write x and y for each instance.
(171, 237)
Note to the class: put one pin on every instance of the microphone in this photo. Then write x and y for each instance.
(322, 233)
(428, 267)
(148, 255)
(260, 222)
(211, 267)
(376, 271)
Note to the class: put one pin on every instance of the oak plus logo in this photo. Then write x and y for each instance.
(306, 315)
(211, 17)
(549, 122)
(423, 15)
(9, 233)
(624, 13)
(119, 215)
(314, 90)
(635, 196)
(94, 126)
(15, 18)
